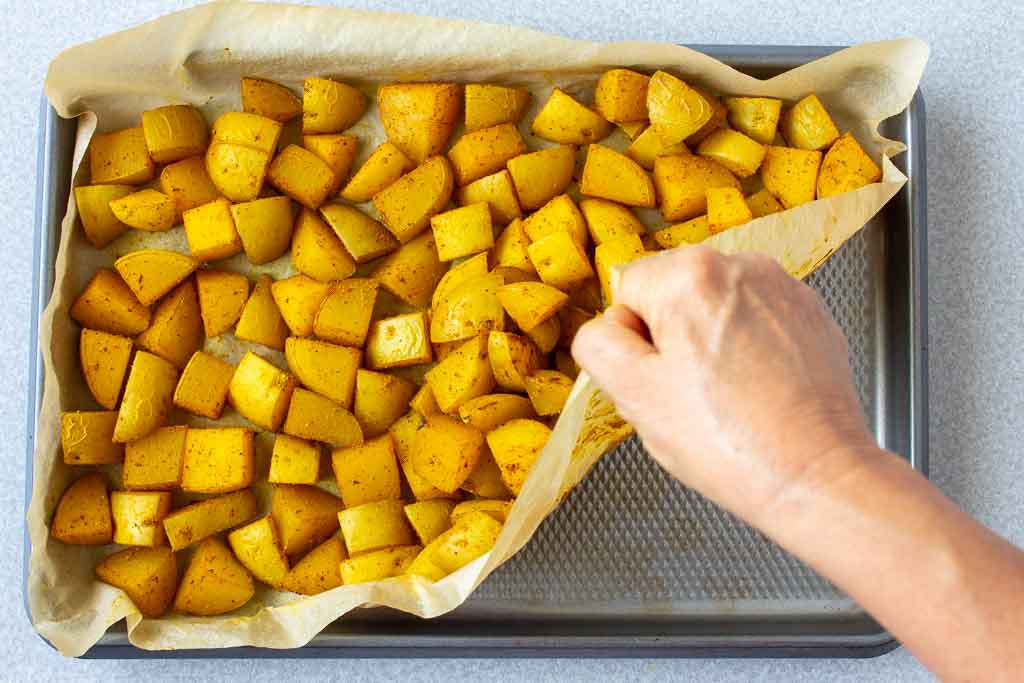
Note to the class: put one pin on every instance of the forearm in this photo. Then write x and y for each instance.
(929, 573)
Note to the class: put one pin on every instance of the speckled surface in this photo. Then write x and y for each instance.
(972, 88)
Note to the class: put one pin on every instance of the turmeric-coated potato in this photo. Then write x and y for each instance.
(408, 203)
(607, 220)
(380, 400)
(99, 223)
(261, 391)
(104, 358)
(248, 130)
(148, 397)
(464, 374)
(83, 513)
(493, 410)
(689, 232)
(257, 546)
(807, 125)
(151, 273)
(138, 517)
(548, 391)
(490, 105)
(542, 175)
(211, 232)
(614, 176)
(564, 120)
(379, 564)
(384, 166)
(485, 151)
(531, 303)
(515, 446)
(485, 480)
(344, 315)
(214, 582)
(463, 231)
(412, 272)
(317, 418)
(457, 274)
(633, 129)
(325, 368)
(174, 132)
(330, 106)
(511, 249)
(734, 150)
(299, 299)
(371, 526)
(727, 208)
(470, 537)
(176, 330)
(194, 522)
(363, 237)
(423, 402)
(153, 463)
(546, 334)
(498, 509)
(147, 210)
(317, 251)
(237, 171)
(149, 576)
(261, 321)
(218, 460)
(269, 99)
(203, 386)
(301, 175)
(560, 261)
(305, 516)
(294, 461)
(763, 202)
(430, 518)
(620, 95)
(791, 174)
(846, 167)
(756, 117)
(367, 473)
(498, 192)
(675, 109)
(512, 359)
(188, 184)
(399, 341)
(319, 570)
(446, 451)
(335, 150)
(420, 117)
(120, 158)
(468, 310)
(614, 253)
(719, 113)
(559, 215)
(108, 304)
(264, 227)
(682, 183)
(403, 432)
(648, 146)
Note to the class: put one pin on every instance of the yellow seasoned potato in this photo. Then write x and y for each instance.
(305, 516)
(727, 208)
(719, 114)
(791, 174)
(446, 451)
(108, 304)
(203, 386)
(138, 517)
(807, 125)
(469, 309)
(588, 295)
(376, 525)
(616, 253)
(260, 391)
(485, 479)
(153, 463)
(299, 299)
(83, 513)
(325, 368)
(385, 165)
(420, 117)
(335, 150)
(176, 331)
(269, 99)
(463, 231)
(546, 334)
(344, 315)
(294, 461)
(620, 95)
(214, 582)
(548, 391)
(317, 251)
(264, 227)
(222, 296)
(424, 403)
(367, 473)
(404, 431)
(424, 567)
(151, 273)
(174, 132)
(511, 247)
(542, 175)
(690, 232)
(193, 523)
(211, 232)
(399, 341)
(464, 374)
(120, 158)
(675, 109)
(261, 321)
(149, 576)
(412, 272)
(846, 167)
(317, 418)
(147, 397)
(610, 175)
(570, 320)
(188, 184)
(380, 400)
(330, 106)
(457, 274)
(237, 171)
(104, 359)
(564, 120)
(258, 547)
(559, 215)
(498, 509)
(734, 150)
(99, 223)
(512, 358)
(147, 210)
(515, 446)
(756, 117)
(86, 438)
(379, 565)
(472, 535)
(607, 220)
(493, 410)
(648, 146)
(763, 203)
(498, 192)
(682, 182)
(218, 460)
(364, 238)
(485, 151)
(407, 204)
(301, 175)
(531, 303)
(633, 129)
(490, 105)
(429, 518)
(248, 130)
(560, 261)
(513, 275)
(319, 570)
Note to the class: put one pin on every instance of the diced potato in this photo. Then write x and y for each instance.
(154, 462)
(513, 275)
(791, 174)
(319, 570)
(214, 582)
(364, 238)
(429, 518)
(404, 431)
(607, 220)
(398, 342)
(344, 315)
(546, 334)
(542, 175)
(372, 526)
(317, 252)
(264, 227)
(138, 517)
(222, 297)
(147, 397)
(177, 329)
(261, 321)
(104, 359)
(512, 358)
(149, 576)
(560, 261)
(616, 253)
(258, 547)
(315, 417)
(294, 461)
(299, 298)
(463, 231)
(485, 479)
(485, 413)
(445, 349)
(301, 175)
(269, 99)
(726, 209)
(151, 273)
(485, 151)
(511, 247)
(548, 391)
(515, 446)
(717, 120)
(498, 509)
(205, 518)
(682, 183)
(378, 565)
(86, 438)
(408, 204)
(367, 473)
(588, 295)
(571, 319)
(424, 403)
(260, 391)
(846, 167)
(120, 157)
(472, 536)
(108, 304)
(756, 117)
(734, 150)
(565, 364)
(420, 117)
(385, 165)
(469, 309)
(412, 272)
(559, 215)
(763, 203)
(691, 232)
(425, 568)
(632, 129)
(237, 171)
(490, 105)
(83, 513)
(564, 120)
(446, 451)
(621, 95)
(464, 374)
(211, 231)
(147, 210)
(325, 368)
(335, 150)
(498, 192)
(174, 132)
(458, 274)
(218, 460)
(675, 109)
(99, 223)
(648, 146)
(531, 303)
(188, 184)
(380, 400)
(610, 175)
(304, 516)
(203, 386)
(248, 130)
(330, 106)
(807, 125)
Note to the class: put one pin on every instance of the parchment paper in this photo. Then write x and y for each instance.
(198, 56)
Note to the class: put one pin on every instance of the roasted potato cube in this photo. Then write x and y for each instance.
(446, 451)
(325, 368)
(734, 150)
(683, 181)
(559, 215)
(457, 275)
(384, 166)
(675, 109)
(151, 273)
(470, 309)
(473, 535)
(214, 582)
(299, 299)
(485, 479)
(515, 446)
(317, 252)
(548, 391)
(607, 220)
(763, 203)
(726, 209)
(378, 565)
(588, 295)
(807, 125)
(488, 412)
(205, 518)
(424, 403)
(531, 303)
(99, 223)
(616, 253)
(211, 231)
(149, 576)
(691, 232)
(147, 210)
(541, 176)
(610, 175)
(83, 513)
(315, 417)
(420, 117)
(222, 297)
(424, 567)
(177, 329)
(399, 341)
(512, 358)
(174, 132)
(546, 334)
(404, 431)
(258, 547)
(301, 175)
(462, 375)
(154, 462)
(344, 315)
(261, 321)
(248, 130)
(571, 319)
(717, 120)
(203, 386)
(330, 106)
(511, 247)
(319, 570)
(412, 272)
(498, 509)
(429, 518)
(490, 105)
(121, 157)
(104, 359)
(560, 261)
(364, 238)
(260, 391)
(147, 397)
(138, 517)
(791, 174)
(498, 192)
(564, 120)
(218, 460)
(756, 117)
(269, 99)
(408, 204)
(485, 151)
(367, 473)
(108, 304)
(632, 129)
(337, 151)
(648, 146)
(264, 227)
(445, 349)
(463, 231)
(86, 438)
(621, 95)
(188, 184)
(294, 461)
(304, 516)
(376, 525)
(380, 400)
(237, 171)
(846, 167)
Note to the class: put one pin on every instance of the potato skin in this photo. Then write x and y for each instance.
(489, 105)
(564, 120)
(174, 132)
(330, 106)
(420, 117)
(620, 95)
(385, 165)
(543, 175)
(148, 397)
(269, 99)
(99, 223)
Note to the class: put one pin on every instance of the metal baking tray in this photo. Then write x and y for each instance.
(633, 564)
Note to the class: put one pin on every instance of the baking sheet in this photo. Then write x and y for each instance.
(201, 65)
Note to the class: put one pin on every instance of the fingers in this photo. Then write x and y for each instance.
(613, 348)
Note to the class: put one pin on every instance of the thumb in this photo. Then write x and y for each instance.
(613, 348)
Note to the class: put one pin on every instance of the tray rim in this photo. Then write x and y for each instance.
(876, 641)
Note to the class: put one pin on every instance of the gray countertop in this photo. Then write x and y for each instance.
(976, 300)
